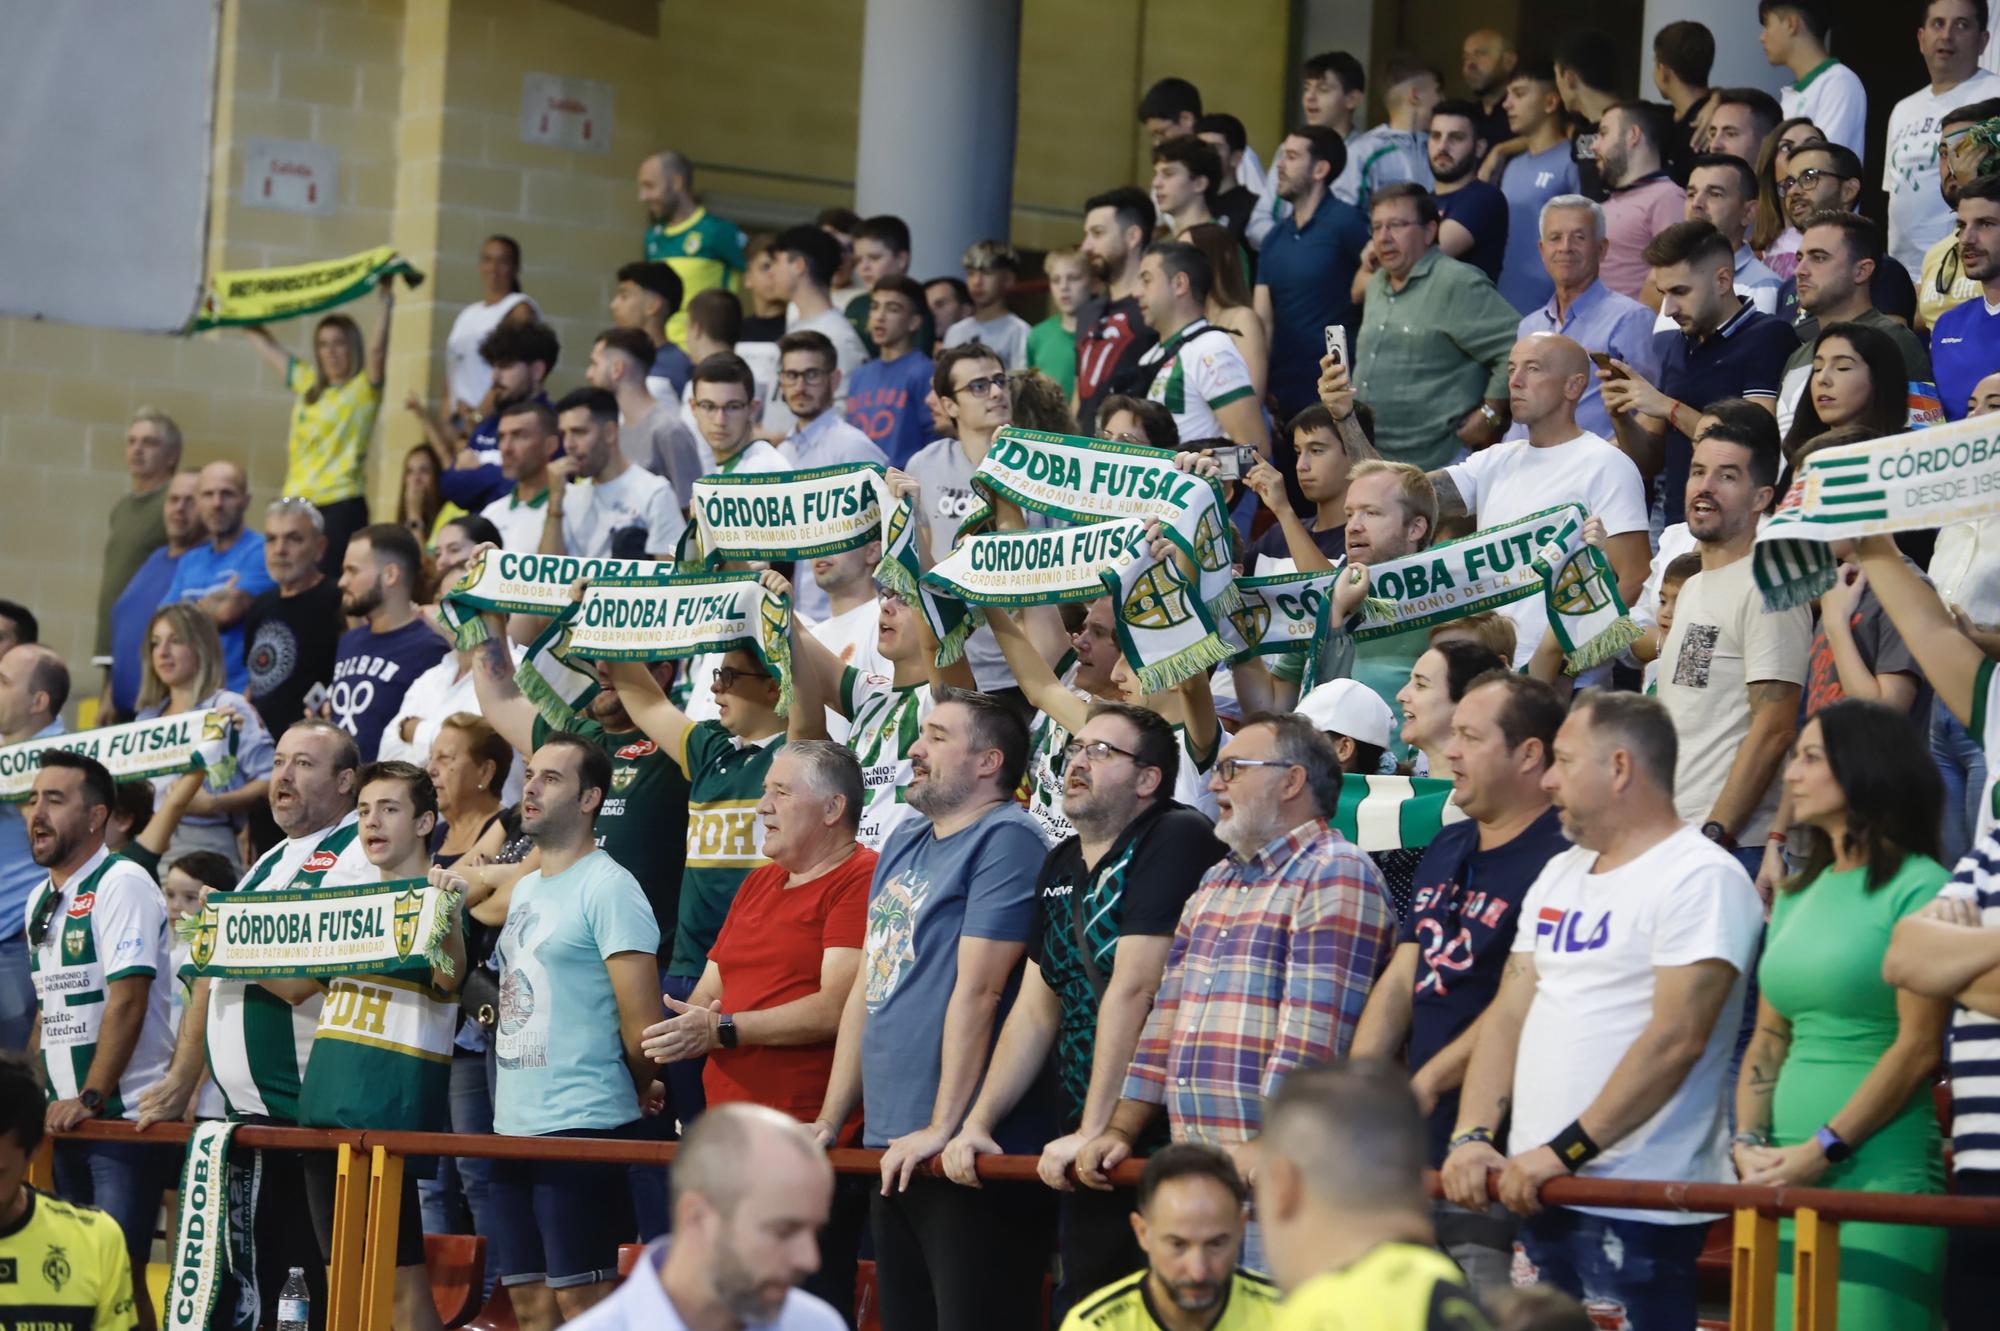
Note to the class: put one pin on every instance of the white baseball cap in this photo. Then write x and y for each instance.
(1348, 708)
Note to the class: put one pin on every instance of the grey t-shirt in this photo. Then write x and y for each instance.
(666, 448)
(928, 894)
(944, 472)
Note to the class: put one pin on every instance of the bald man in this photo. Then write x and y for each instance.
(1559, 462)
(703, 251)
(751, 1191)
(34, 685)
(1340, 1194)
(1488, 61)
(226, 573)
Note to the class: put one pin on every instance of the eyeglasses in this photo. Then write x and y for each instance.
(707, 408)
(887, 593)
(996, 383)
(1389, 224)
(1125, 437)
(1809, 177)
(726, 676)
(1097, 751)
(1231, 768)
(811, 376)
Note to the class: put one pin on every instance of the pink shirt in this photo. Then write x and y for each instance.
(1632, 217)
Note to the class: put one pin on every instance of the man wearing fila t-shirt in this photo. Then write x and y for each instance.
(257, 1043)
(97, 946)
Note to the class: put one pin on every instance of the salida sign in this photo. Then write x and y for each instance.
(559, 112)
(289, 176)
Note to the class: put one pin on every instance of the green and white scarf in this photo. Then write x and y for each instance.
(320, 932)
(1045, 566)
(1541, 554)
(216, 1236)
(1379, 813)
(135, 751)
(656, 619)
(505, 582)
(1071, 479)
(1279, 613)
(1908, 482)
(785, 515)
(1166, 612)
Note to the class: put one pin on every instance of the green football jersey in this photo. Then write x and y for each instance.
(725, 838)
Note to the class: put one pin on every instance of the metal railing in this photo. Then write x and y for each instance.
(369, 1181)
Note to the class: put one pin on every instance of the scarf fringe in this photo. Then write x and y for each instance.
(548, 703)
(1189, 661)
(1606, 646)
(1791, 593)
(441, 927)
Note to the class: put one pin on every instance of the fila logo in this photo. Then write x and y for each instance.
(319, 862)
(1564, 930)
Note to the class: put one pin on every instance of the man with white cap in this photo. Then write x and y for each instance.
(1358, 722)
(1455, 940)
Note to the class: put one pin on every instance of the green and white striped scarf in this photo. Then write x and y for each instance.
(506, 582)
(135, 751)
(1279, 613)
(1908, 482)
(785, 515)
(1379, 813)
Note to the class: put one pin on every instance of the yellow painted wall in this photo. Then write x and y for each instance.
(420, 99)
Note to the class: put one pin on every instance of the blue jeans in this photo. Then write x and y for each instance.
(1962, 764)
(462, 1182)
(1631, 1267)
(685, 1101)
(123, 1179)
(17, 993)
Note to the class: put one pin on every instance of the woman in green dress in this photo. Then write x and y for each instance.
(1835, 1087)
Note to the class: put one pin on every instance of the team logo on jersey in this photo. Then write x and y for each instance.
(409, 909)
(645, 748)
(1159, 599)
(319, 862)
(622, 778)
(55, 1268)
(73, 943)
(81, 906)
(1578, 589)
(204, 938)
(692, 245)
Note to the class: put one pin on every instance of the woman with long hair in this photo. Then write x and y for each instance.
(1437, 681)
(1773, 238)
(1229, 304)
(421, 502)
(468, 378)
(1858, 378)
(336, 401)
(183, 672)
(1835, 1086)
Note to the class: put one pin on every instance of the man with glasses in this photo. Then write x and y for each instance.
(1110, 897)
(1825, 177)
(1435, 334)
(809, 379)
(724, 401)
(1271, 961)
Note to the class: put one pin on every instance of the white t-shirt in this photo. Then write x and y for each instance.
(853, 636)
(1204, 374)
(1723, 639)
(466, 373)
(1597, 939)
(1675, 541)
(1835, 100)
(438, 693)
(519, 524)
(887, 722)
(637, 516)
(1007, 336)
(755, 456)
(1918, 215)
(1514, 479)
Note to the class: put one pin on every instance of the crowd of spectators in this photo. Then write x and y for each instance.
(1016, 904)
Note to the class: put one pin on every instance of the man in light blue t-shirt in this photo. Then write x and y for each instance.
(577, 987)
(949, 914)
(226, 573)
(1534, 113)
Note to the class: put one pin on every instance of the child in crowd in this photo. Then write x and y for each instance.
(990, 269)
(1052, 342)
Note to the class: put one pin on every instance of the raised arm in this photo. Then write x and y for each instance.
(1858, 678)
(378, 345)
(1037, 680)
(267, 346)
(158, 832)
(1949, 659)
(650, 708)
(501, 701)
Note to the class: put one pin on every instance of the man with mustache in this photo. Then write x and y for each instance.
(1110, 897)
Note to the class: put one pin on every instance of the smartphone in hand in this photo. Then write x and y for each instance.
(1336, 343)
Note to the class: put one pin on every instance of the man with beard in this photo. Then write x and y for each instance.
(950, 913)
(1839, 255)
(521, 356)
(224, 574)
(1475, 212)
(381, 657)
(703, 251)
(1824, 178)
(97, 942)
(1271, 962)
(256, 1042)
(578, 987)
(1188, 1222)
(1488, 61)
(1963, 157)
(1965, 345)
(1305, 272)
(530, 438)
(751, 1192)
(1110, 897)
(1643, 199)
(1111, 334)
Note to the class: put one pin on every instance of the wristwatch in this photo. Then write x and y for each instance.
(1831, 1146)
(725, 1032)
(92, 1100)
(1469, 1136)
(1491, 414)
(1719, 834)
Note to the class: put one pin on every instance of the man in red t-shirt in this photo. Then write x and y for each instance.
(768, 1004)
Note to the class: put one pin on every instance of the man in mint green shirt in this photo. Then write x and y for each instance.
(1431, 358)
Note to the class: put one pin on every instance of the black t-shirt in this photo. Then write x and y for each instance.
(1332, 543)
(1462, 919)
(762, 328)
(1111, 336)
(1480, 208)
(288, 646)
(1583, 151)
(1138, 888)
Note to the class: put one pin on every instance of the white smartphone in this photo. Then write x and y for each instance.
(1336, 343)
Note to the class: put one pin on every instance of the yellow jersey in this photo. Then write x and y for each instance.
(1396, 1287)
(63, 1268)
(1251, 1304)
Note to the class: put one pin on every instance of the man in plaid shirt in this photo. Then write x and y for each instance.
(1272, 961)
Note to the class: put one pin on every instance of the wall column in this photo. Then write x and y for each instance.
(936, 142)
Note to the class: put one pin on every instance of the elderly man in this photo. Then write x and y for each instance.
(223, 576)
(34, 685)
(751, 1191)
(291, 631)
(1271, 961)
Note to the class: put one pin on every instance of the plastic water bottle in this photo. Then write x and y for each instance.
(294, 1303)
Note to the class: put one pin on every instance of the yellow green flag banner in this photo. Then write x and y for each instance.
(267, 295)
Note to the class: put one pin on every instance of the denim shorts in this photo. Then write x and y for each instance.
(560, 1222)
